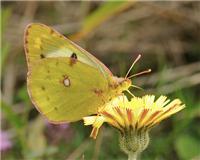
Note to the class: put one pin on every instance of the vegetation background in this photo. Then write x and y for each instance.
(167, 34)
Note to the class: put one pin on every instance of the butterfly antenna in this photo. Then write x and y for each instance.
(130, 93)
(137, 87)
(140, 73)
(138, 57)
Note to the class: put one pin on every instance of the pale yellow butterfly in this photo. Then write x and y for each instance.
(65, 82)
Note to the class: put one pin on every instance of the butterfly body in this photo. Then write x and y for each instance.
(64, 81)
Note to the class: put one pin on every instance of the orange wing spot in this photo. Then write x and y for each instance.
(72, 61)
(98, 92)
(66, 81)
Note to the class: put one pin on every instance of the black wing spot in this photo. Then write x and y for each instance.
(74, 56)
(42, 56)
(73, 59)
(43, 88)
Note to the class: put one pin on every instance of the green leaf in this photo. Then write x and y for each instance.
(107, 10)
(22, 94)
(103, 13)
(36, 140)
(14, 119)
(187, 147)
(4, 54)
(6, 13)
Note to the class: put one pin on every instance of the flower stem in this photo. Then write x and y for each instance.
(132, 156)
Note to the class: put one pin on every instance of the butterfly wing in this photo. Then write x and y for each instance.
(65, 89)
(65, 93)
(42, 41)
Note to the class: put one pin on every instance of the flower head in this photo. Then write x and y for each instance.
(5, 142)
(137, 114)
(134, 119)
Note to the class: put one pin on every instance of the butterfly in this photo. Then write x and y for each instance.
(65, 82)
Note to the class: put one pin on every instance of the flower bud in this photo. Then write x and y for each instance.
(134, 141)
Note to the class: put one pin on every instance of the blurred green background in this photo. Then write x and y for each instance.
(167, 34)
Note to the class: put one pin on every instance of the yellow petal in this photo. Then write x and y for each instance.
(89, 120)
(98, 121)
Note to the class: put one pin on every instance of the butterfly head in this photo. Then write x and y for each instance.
(121, 84)
(125, 83)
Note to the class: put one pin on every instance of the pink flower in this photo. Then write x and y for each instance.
(5, 142)
(58, 132)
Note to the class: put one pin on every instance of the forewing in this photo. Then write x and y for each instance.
(65, 93)
(42, 41)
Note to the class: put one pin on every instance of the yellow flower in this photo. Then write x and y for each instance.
(134, 119)
(138, 114)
